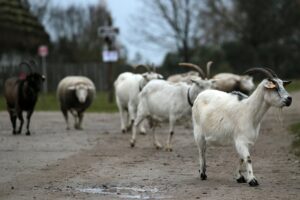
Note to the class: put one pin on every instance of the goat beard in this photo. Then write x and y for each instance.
(279, 116)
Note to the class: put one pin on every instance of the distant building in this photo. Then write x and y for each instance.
(20, 35)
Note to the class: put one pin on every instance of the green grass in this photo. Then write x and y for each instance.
(294, 86)
(295, 129)
(48, 102)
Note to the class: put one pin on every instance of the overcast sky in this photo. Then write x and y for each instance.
(122, 12)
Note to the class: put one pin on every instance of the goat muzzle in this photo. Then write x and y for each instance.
(288, 101)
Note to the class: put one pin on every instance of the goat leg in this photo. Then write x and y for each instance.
(13, 119)
(80, 117)
(20, 116)
(29, 113)
(65, 114)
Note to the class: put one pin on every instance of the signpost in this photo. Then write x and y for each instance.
(109, 54)
(43, 52)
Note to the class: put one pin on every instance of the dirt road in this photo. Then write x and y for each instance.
(97, 163)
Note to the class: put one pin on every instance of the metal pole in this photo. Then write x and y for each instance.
(45, 85)
(110, 82)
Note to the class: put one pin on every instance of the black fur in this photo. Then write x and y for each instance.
(241, 180)
(22, 95)
(203, 176)
(253, 183)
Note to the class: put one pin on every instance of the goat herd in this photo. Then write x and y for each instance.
(220, 108)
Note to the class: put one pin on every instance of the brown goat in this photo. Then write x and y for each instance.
(22, 95)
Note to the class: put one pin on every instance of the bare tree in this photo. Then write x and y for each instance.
(219, 20)
(169, 24)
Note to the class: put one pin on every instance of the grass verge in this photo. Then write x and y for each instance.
(48, 102)
(295, 130)
(294, 86)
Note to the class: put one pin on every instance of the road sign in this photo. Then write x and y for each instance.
(43, 51)
(108, 33)
(110, 56)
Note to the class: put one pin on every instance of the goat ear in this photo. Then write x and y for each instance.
(286, 82)
(270, 84)
(71, 87)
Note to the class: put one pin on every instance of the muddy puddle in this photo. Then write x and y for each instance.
(125, 192)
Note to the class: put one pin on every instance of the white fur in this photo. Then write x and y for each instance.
(127, 88)
(219, 118)
(164, 101)
(184, 77)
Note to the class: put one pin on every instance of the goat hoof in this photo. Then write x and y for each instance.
(14, 133)
(123, 131)
(132, 144)
(158, 146)
(27, 133)
(253, 183)
(241, 180)
(203, 176)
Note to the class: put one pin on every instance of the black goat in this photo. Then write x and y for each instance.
(21, 94)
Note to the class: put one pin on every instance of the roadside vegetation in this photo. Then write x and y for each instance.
(48, 102)
(295, 130)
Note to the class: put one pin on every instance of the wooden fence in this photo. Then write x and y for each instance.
(97, 72)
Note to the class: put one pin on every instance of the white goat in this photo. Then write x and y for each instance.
(127, 88)
(221, 118)
(229, 82)
(164, 101)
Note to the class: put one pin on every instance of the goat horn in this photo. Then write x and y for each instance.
(196, 67)
(261, 70)
(27, 64)
(208, 65)
(271, 71)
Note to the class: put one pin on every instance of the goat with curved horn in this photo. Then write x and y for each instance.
(196, 67)
(260, 70)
